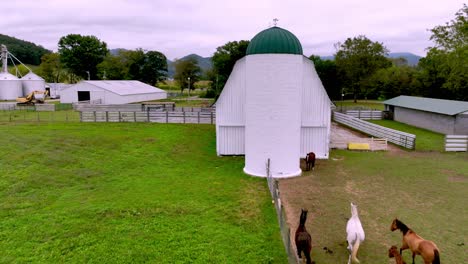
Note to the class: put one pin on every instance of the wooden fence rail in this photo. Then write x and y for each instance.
(149, 116)
(366, 114)
(281, 215)
(456, 143)
(403, 139)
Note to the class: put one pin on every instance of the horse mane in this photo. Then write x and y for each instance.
(403, 228)
(303, 218)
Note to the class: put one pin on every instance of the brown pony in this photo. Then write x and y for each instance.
(427, 249)
(310, 161)
(393, 253)
(302, 238)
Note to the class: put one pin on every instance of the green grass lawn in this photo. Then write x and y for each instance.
(425, 140)
(360, 104)
(425, 190)
(129, 193)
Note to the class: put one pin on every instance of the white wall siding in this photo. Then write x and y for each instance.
(272, 125)
(315, 139)
(230, 107)
(230, 140)
(315, 113)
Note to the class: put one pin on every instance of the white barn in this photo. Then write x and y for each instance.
(111, 92)
(273, 106)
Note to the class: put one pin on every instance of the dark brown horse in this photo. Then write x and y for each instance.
(310, 161)
(302, 238)
(393, 253)
(427, 249)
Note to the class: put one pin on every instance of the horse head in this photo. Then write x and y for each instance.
(394, 225)
(392, 251)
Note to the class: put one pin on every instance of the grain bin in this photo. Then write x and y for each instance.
(32, 82)
(10, 87)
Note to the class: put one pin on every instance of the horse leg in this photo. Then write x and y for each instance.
(414, 254)
(307, 256)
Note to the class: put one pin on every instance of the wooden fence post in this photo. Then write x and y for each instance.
(211, 116)
(183, 114)
(167, 117)
(198, 118)
(134, 117)
(120, 118)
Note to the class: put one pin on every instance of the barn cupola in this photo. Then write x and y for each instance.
(274, 40)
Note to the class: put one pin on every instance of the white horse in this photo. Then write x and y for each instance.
(355, 234)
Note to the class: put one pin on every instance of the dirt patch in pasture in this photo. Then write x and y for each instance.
(453, 176)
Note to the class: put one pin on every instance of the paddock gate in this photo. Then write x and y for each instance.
(456, 143)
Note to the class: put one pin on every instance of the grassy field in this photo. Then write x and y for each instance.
(425, 140)
(129, 193)
(33, 116)
(425, 190)
(360, 104)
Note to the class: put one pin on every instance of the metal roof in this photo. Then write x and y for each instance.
(441, 106)
(8, 76)
(125, 87)
(274, 40)
(32, 77)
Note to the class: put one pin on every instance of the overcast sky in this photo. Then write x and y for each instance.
(180, 27)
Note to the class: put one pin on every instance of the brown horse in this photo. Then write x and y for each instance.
(393, 253)
(427, 249)
(310, 161)
(302, 238)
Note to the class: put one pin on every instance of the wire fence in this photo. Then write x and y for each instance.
(31, 115)
(283, 224)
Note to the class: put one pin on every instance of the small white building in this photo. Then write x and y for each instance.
(111, 92)
(54, 89)
(273, 106)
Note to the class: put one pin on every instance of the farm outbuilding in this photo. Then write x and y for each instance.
(111, 92)
(273, 106)
(443, 116)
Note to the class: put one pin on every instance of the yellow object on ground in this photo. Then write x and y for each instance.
(358, 146)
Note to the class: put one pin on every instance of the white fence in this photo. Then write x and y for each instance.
(149, 116)
(456, 142)
(365, 114)
(403, 139)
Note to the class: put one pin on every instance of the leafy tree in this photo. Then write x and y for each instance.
(328, 73)
(149, 67)
(393, 81)
(112, 68)
(187, 73)
(357, 59)
(445, 69)
(223, 62)
(51, 68)
(26, 52)
(81, 54)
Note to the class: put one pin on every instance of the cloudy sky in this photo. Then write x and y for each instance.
(180, 27)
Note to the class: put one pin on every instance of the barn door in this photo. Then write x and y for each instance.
(84, 96)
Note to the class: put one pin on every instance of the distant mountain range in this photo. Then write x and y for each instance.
(206, 64)
(410, 57)
(203, 62)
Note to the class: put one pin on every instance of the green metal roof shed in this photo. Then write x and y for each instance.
(440, 106)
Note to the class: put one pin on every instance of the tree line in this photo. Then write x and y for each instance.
(360, 68)
(26, 52)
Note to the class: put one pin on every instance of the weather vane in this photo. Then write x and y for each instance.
(275, 21)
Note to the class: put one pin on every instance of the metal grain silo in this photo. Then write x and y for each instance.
(32, 82)
(10, 85)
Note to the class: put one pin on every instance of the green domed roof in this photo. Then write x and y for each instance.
(274, 40)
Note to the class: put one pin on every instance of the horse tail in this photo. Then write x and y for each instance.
(436, 257)
(355, 249)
